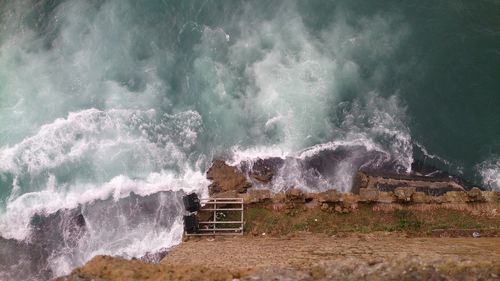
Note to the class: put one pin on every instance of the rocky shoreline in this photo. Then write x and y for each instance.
(390, 227)
(390, 190)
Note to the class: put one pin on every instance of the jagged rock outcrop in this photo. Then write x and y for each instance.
(263, 170)
(226, 178)
(370, 187)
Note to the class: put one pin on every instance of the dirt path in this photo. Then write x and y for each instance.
(304, 252)
(309, 257)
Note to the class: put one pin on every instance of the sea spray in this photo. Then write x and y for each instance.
(106, 105)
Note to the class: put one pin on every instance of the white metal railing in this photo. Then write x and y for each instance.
(217, 225)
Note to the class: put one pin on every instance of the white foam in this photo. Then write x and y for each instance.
(15, 220)
(359, 140)
(490, 172)
(106, 140)
(240, 155)
(432, 156)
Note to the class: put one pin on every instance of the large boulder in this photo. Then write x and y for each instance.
(226, 178)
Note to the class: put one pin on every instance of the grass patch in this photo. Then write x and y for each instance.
(407, 221)
(262, 219)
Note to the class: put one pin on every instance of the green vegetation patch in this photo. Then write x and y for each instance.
(262, 218)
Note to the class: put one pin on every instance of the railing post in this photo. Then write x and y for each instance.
(231, 227)
(215, 213)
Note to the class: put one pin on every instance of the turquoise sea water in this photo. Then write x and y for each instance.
(104, 103)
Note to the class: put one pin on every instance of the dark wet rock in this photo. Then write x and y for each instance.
(63, 232)
(77, 276)
(389, 182)
(263, 170)
(154, 257)
(420, 168)
(225, 178)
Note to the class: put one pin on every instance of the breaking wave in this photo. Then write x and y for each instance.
(111, 110)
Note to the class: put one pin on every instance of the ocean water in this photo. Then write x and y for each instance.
(111, 110)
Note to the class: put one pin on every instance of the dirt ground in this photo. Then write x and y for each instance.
(304, 250)
(308, 257)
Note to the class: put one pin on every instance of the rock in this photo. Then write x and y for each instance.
(278, 207)
(329, 196)
(263, 170)
(77, 276)
(389, 182)
(227, 194)
(360, 181)
(226, 178)
(386, 197)
(338, 209)
(278, 197)
(295, 195)
(456, 197)
(350, 198)
(491, 196)
(437, 199)
(324, 207)
(311, 196)
(350, 201)
(420, 197)
(475, 195)
(368, 194)
(404, 194)
(257, 196)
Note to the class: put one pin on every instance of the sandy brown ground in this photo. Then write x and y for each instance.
(307, 249)
(308, 257)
